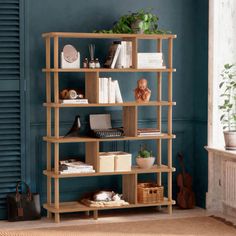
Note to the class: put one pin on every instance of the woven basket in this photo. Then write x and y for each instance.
(150, 193)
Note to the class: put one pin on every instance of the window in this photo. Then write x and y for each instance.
(222, 50)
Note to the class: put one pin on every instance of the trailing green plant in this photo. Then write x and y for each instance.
(143, 152)
(228, 96)
(142, 20)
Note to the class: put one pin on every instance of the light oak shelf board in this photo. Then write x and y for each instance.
(124, 104)
(106, 35)
(77, 207)
(61, 139)
(52, 70)
(135, 170)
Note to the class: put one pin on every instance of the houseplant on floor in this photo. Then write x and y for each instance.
(145, 160)
(228, 105)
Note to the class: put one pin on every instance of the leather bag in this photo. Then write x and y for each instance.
(23, 206)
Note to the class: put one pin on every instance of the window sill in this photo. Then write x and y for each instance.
(221, 151)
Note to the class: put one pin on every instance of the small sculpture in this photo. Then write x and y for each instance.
(142, 93)
(71, 94)
(74, 130)
(70, 57)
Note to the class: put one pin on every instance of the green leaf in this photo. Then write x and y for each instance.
(222, 117)
(221, 84)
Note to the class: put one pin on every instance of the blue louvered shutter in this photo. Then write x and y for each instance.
(10, 99)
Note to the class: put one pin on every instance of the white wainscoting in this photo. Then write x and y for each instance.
(221, 193)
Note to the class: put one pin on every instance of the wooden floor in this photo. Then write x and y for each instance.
(124, 215)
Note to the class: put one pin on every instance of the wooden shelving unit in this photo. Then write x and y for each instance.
(130, 121)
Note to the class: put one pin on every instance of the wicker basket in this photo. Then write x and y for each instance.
(150, 193)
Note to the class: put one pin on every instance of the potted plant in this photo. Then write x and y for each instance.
(228, 105)
(140, 22)
(145, 160)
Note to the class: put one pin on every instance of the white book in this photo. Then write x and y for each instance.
(115, 56)
(118, 97)
(150, 134)
(143, 55)
(100, 95)
(120, 63)
(150, 66)
(74, 101)
(123, 54)
(111, 91)
(150, 60)
(129, 54)
(105, 90)
(77, 171)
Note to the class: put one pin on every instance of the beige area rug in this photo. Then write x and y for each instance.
(206, 226)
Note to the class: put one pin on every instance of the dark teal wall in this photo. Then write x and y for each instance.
(200, 101)
(181, 18)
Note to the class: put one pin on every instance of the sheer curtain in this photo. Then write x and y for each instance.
(222, 50)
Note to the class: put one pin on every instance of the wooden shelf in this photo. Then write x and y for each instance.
(86, 139)
(100, 70)
(78, 207)
(135, 170)
(107, 36)
(124, 104)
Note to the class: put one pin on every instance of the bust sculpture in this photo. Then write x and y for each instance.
(142, 93)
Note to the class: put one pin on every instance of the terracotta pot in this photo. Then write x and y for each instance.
(230, 140)
(145, 163)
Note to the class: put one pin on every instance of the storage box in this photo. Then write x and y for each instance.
(123, 161)
(106, 162)
(150, 193)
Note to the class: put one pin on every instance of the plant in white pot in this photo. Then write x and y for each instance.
(228, 105)
(145, 160)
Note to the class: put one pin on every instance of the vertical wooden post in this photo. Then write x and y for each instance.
(56, 128)
(134, 53)
(49, 119)
(95, 214)
(159, 114)
(130, 120)
(92, 87)
(170, 64)
(56, 181)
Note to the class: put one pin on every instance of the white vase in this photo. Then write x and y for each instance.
(145, 163)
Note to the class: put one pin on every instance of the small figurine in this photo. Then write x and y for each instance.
(142, 93)
(97, 63)
(85, 63)
(71, 94)
(74, 130)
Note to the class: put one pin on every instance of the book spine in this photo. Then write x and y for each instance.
(118, 97)
(119, 58)
(115, 56)
(76, 101)
(100, 97)
(129, 53)
(109, 90)
(123, 54)
(105, 90)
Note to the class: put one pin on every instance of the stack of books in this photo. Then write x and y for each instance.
(109, 91)
(74, 166)
(150, 61)
(149, 132)
(119, 55)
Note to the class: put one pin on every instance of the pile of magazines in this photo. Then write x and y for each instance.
(73, 166)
